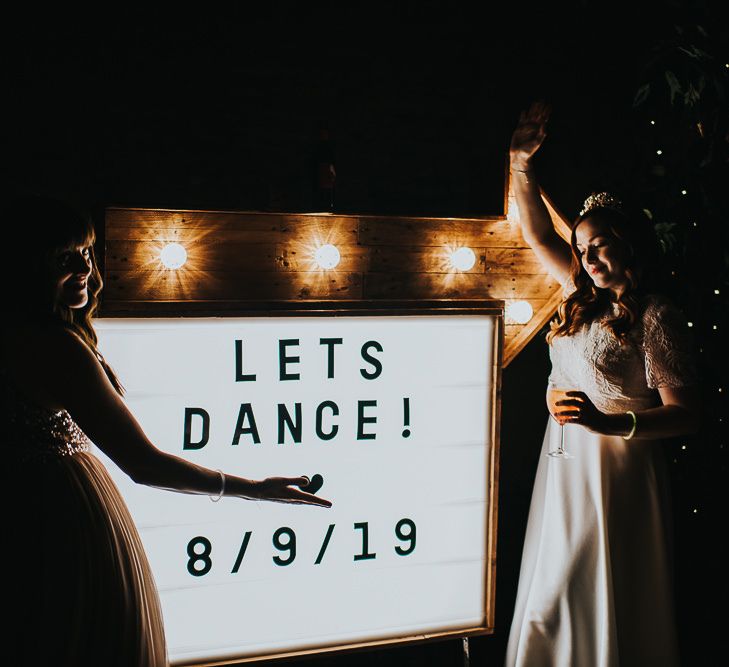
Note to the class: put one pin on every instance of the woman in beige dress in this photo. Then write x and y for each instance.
(80, 588)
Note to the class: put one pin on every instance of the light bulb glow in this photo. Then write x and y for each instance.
(327, 256)
(683, 192)
(173, 255)
(659, 152)
(463, 259)
(519, 312)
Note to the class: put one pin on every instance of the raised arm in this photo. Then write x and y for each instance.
(536, 225)
(78, 383)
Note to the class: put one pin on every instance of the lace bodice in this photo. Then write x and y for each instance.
(33, 433)
(619, 378)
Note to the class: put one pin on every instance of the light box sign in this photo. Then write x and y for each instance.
(395, 412)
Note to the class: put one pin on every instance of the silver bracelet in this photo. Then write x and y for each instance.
(631, 433)
(215, 499)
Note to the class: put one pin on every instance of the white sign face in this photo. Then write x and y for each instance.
(394, 412)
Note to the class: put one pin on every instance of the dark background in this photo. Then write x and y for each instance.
(224, 111)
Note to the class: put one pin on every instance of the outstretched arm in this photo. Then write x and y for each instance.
(79, 384)
(536, 224)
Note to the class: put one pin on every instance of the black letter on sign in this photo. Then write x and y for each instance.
(371, 375)
(239, 376)
(246, 411)
(335, 412)
(362, 420)
(187, 442)
(330, 343)
(283, 359)
(284, 418)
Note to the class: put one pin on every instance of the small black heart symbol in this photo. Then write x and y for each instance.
(315, 483)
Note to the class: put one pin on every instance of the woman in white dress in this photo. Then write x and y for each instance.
(79, 589)
(595, 586)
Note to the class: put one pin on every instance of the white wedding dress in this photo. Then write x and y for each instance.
(595, 587)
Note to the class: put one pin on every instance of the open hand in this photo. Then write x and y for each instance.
(287, 490)
(529, 134)
(579, 409)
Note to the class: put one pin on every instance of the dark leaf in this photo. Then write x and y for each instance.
(642, 94)
(673, 84)
(690, 52)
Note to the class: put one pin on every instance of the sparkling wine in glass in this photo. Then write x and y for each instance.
(555, 394)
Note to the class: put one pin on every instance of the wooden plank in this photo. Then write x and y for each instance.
(311, 233)
(561, 224)
(457, 285)
(162, 219)
(430, 259)
(231, 256)
(182, 285)
(518, 260)
(221, 220)
(448, 233)
(135, 217)
(541, 317)
(201, 227)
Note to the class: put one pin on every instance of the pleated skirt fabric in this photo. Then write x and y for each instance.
(82, 590)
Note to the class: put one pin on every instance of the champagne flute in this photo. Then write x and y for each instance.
(555, 394)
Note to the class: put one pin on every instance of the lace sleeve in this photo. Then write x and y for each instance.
(667, 346)
(568, 287)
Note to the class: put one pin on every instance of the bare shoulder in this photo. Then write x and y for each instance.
(38, 359)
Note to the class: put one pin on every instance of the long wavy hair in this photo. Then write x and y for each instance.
(38, 229)
(588, 302)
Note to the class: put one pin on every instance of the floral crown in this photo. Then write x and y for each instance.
(601, 200)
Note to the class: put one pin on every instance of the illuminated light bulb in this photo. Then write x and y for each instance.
(173, 255)
(696, 511)
(683, 446)
(659, 152)
(690, 324)
(714, 327)
(683, 192)
(463, 259)
(327, 256)
(696, 224)
(653, 122)
(519, 311)
(716, 291)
